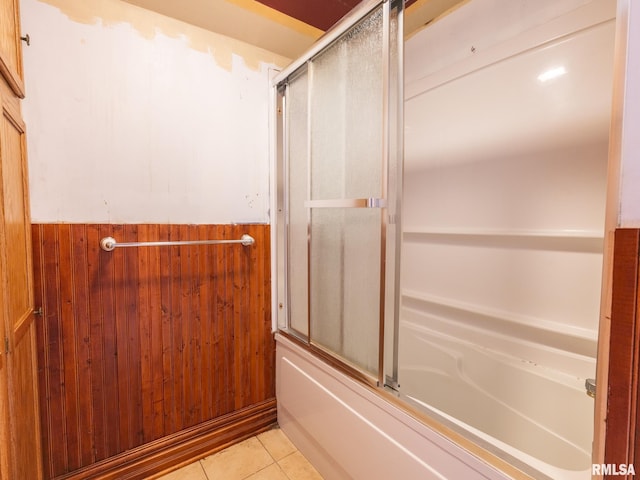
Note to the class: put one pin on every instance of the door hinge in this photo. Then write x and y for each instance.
(38, 312)
(6, 345)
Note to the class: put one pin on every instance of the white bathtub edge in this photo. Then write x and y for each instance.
(347, 431)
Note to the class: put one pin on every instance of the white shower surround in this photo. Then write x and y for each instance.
(314, 399)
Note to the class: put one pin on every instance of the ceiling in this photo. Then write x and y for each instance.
(318, 13)
(285, 27)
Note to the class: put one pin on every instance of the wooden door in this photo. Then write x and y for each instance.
(20, 451)
(17, 292)
(10, 48)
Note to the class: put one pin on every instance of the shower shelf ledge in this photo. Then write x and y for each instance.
(579, 340)
(583, 241)
(577, 234)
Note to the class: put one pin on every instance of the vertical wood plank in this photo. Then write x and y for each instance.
(262, 311)
(228, 354)
(168, 359)
(623, 354)
(218, 312)
(254, 315)
(186, 328)
(145, 278)
(239, 334)
(106, 300)
(121, 331)
(197, 314)
(247, 320)
(135, 339)
(156, 340)
(99, 399)
(37, 237)
(270, 357)
(206, 324)
(53, 337)
(80, 287)
(176, 325)
(70, 376)
(131, 282)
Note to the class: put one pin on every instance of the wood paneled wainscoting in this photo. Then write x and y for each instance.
(623, 389)
(150, 356)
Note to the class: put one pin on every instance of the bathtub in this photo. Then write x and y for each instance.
(349, 431)
(496, 399)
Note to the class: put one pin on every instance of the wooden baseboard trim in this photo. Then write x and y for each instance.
(166, 454)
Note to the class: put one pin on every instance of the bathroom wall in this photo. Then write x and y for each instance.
(504, 225)
(134, 117)
(144, 128)
(506, 181)
(144, 349)
(627, 117)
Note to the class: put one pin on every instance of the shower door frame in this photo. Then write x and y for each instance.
(389, 201)
(617, 158)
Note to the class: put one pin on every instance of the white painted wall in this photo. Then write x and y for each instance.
(629, 206)
(137, 118)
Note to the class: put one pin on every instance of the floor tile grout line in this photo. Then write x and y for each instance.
(268, 466)
(275, 461)
(268, 453)
(282, 469)
(295, 449)
(286, 475)
(266, 449)
(203, 469)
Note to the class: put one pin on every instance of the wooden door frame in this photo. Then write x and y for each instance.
(622, 419)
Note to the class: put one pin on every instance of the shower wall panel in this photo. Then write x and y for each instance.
(143, 347)
(503, 227)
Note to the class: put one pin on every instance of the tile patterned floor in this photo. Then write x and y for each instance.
(267, 456)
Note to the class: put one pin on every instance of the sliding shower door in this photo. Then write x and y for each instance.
(337, 173)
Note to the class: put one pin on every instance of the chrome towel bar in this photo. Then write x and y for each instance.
(109, 243)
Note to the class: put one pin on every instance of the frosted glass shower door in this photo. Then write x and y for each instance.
(346, 167)
(335, 142)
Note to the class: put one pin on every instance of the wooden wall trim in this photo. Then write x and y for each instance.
(164, 455)
(622, 415)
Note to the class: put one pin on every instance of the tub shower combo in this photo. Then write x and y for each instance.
(439, 233)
